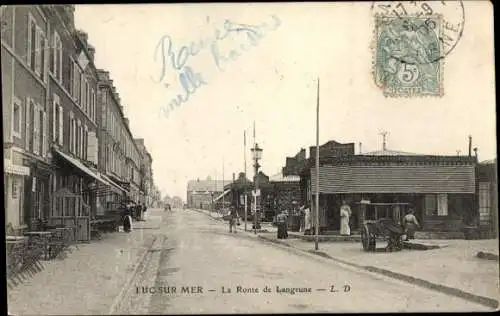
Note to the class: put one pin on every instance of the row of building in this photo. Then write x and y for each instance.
(448, 193)
(69, 154)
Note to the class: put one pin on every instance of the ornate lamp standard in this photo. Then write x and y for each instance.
(256, 156)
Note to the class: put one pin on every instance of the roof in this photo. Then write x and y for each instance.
(396, 179)
(489, 162)
(388, 153)
(280, 178)
(207, 185)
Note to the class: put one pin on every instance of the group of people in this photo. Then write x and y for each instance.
(135, 211)
(410, 222)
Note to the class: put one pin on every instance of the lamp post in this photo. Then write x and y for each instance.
(256, 156)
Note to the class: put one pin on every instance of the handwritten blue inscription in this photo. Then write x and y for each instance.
(189, 79)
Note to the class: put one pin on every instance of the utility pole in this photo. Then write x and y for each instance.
(245, 159)
(256, 184)
(223, 197)
(316, 239)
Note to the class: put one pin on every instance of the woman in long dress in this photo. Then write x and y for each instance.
(345, 214)
(307, 221)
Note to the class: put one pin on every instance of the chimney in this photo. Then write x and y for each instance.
(360, 151)
(234, 177)
(475, 152)
(470, 145)
(91, 50)
(83, 36)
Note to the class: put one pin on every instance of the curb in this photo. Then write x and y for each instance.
(140, 263)
(486, 301)
(487, 256)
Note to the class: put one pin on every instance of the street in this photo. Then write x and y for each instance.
(197, 266)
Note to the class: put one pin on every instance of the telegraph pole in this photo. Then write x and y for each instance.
(316, 239)
(245, 158)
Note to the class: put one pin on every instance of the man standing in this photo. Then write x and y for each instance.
(233, 216)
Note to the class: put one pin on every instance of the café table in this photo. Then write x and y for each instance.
(44, 236)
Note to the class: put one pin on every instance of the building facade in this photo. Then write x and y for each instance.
(54, 145)
(146, 172)
(201, 193)
(119, 158)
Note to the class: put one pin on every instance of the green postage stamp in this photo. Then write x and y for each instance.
(408, 57)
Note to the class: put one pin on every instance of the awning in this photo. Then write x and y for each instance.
(112, 183)
(11, 168)
(85, 169)
(421, 179)
(223, 194)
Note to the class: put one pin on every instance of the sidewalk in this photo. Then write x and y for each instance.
(455, 264)
(453, 268)
(87, 281)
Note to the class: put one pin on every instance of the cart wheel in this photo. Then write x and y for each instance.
(368, 241)
(399, 243)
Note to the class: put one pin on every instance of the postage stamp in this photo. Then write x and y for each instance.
(411, 41)
(407, 54)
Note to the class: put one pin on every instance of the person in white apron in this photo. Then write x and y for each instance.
(345, 214)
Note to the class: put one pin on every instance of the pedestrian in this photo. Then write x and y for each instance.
(345, 214)
(127, 219)
(233, 216)
(302, 221)
(282, 227)
(144, 209)
(410, 223)
(307, 220)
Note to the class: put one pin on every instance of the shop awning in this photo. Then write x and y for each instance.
(220, 196)
(86, 170)
(420, 179)
(112, 183)
(11, 168)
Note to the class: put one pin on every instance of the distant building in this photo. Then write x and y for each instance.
(201, 193)
(146, 173)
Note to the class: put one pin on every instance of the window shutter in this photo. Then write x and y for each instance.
(54, 119)
(38, 51)
(44, 135)
(61, 124)
(54, 66)
(28, 131)
(34, 136)
(28, 53)
(45, 56)
(60, 54)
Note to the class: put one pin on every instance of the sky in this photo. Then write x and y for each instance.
(274, 84)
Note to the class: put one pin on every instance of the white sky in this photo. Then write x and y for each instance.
(273, 84)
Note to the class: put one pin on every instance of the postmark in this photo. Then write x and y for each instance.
(411, 41)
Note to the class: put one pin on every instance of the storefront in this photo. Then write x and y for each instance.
(441, 189)
(76, 192)
(14, 193)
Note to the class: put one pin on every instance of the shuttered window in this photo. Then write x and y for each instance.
(442, 207)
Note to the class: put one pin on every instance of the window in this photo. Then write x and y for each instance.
(71, 133)
(30, 54)
(442, 204)
(57, 127)
(78, 139)
(56, 64)
(430, 205)
(36, 131)
(92, 105)
(85, 142)
(16, 117)
(29, 124)
(83, 92)
(43, 132)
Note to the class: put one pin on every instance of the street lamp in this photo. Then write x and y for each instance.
(256, 156)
